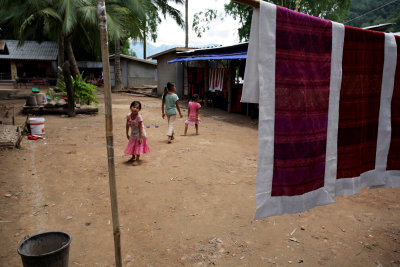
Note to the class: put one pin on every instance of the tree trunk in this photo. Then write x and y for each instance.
(70, 89)
(71, 57)
(61, 58)
(119, 85)
(187, 23)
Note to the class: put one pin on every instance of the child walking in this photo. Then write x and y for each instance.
(193, 114)
(168, 107)
(137, 140)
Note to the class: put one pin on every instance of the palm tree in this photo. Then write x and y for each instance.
(142, 24)
(153, 18)
(40, 20)
(57, 20)
(134, 22)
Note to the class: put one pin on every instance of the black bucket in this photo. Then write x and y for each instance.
(45, 250)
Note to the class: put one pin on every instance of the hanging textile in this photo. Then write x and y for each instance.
(325, 94)
(216, 80)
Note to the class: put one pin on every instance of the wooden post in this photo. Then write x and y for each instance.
(206, 83)
(70, 89)
(253, 3)
(229, 87)
(102, 20)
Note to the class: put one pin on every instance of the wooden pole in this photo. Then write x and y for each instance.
(206, 83)
(102, 20)
(253, 3)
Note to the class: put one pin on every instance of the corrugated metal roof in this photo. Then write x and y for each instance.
(172, 50)
(134, 59)
(31, 50)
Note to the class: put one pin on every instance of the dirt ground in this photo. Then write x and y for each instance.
(190, 203)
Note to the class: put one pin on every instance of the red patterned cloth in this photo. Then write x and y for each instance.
(363, 57)
(329, 116)
(301, 102)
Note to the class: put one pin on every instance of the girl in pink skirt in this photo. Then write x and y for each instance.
(137, 140)
(193, 114)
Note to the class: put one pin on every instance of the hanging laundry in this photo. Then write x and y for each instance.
(216, 80)
(325, 109)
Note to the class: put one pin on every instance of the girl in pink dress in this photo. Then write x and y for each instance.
(137, 140)
(193, 114)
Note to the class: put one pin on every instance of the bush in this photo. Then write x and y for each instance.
(84, 93)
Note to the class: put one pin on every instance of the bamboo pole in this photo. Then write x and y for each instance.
(102, 20)
(253, 3)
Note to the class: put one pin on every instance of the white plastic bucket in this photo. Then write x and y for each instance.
(37, 125)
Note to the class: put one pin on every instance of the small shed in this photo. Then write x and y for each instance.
(216, 75)
(32, 59)
(169, 72)
(135, 72)
(92, 71)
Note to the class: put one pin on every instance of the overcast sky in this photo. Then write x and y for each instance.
(220, 32)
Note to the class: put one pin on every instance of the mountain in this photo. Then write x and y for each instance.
(365, 13)
(150, 49)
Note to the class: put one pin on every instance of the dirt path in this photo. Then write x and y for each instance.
(190, 203)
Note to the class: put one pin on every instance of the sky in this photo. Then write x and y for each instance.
(220, 32)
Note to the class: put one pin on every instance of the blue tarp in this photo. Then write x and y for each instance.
(235, 55)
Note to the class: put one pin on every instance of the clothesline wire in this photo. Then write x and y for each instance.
(366, 13)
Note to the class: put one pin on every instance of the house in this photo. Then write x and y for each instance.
(215, 74)
(169, 72)
(135, 72)
(92, 71)
(32, 59)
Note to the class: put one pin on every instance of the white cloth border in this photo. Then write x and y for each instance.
(251, 86)
(333, 113)
(392, 177)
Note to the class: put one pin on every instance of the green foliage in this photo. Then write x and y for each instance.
(155, 8)
(365, 13)
(84, 93)
(329, 9)
(244, 14)
(52, 95)
(131, 53)
(201, 21)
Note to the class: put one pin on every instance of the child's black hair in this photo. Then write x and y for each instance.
(195, 97)
(166, 89)
(134, 103)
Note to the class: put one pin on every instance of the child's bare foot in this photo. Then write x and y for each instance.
(136, 163)
(132, 159)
